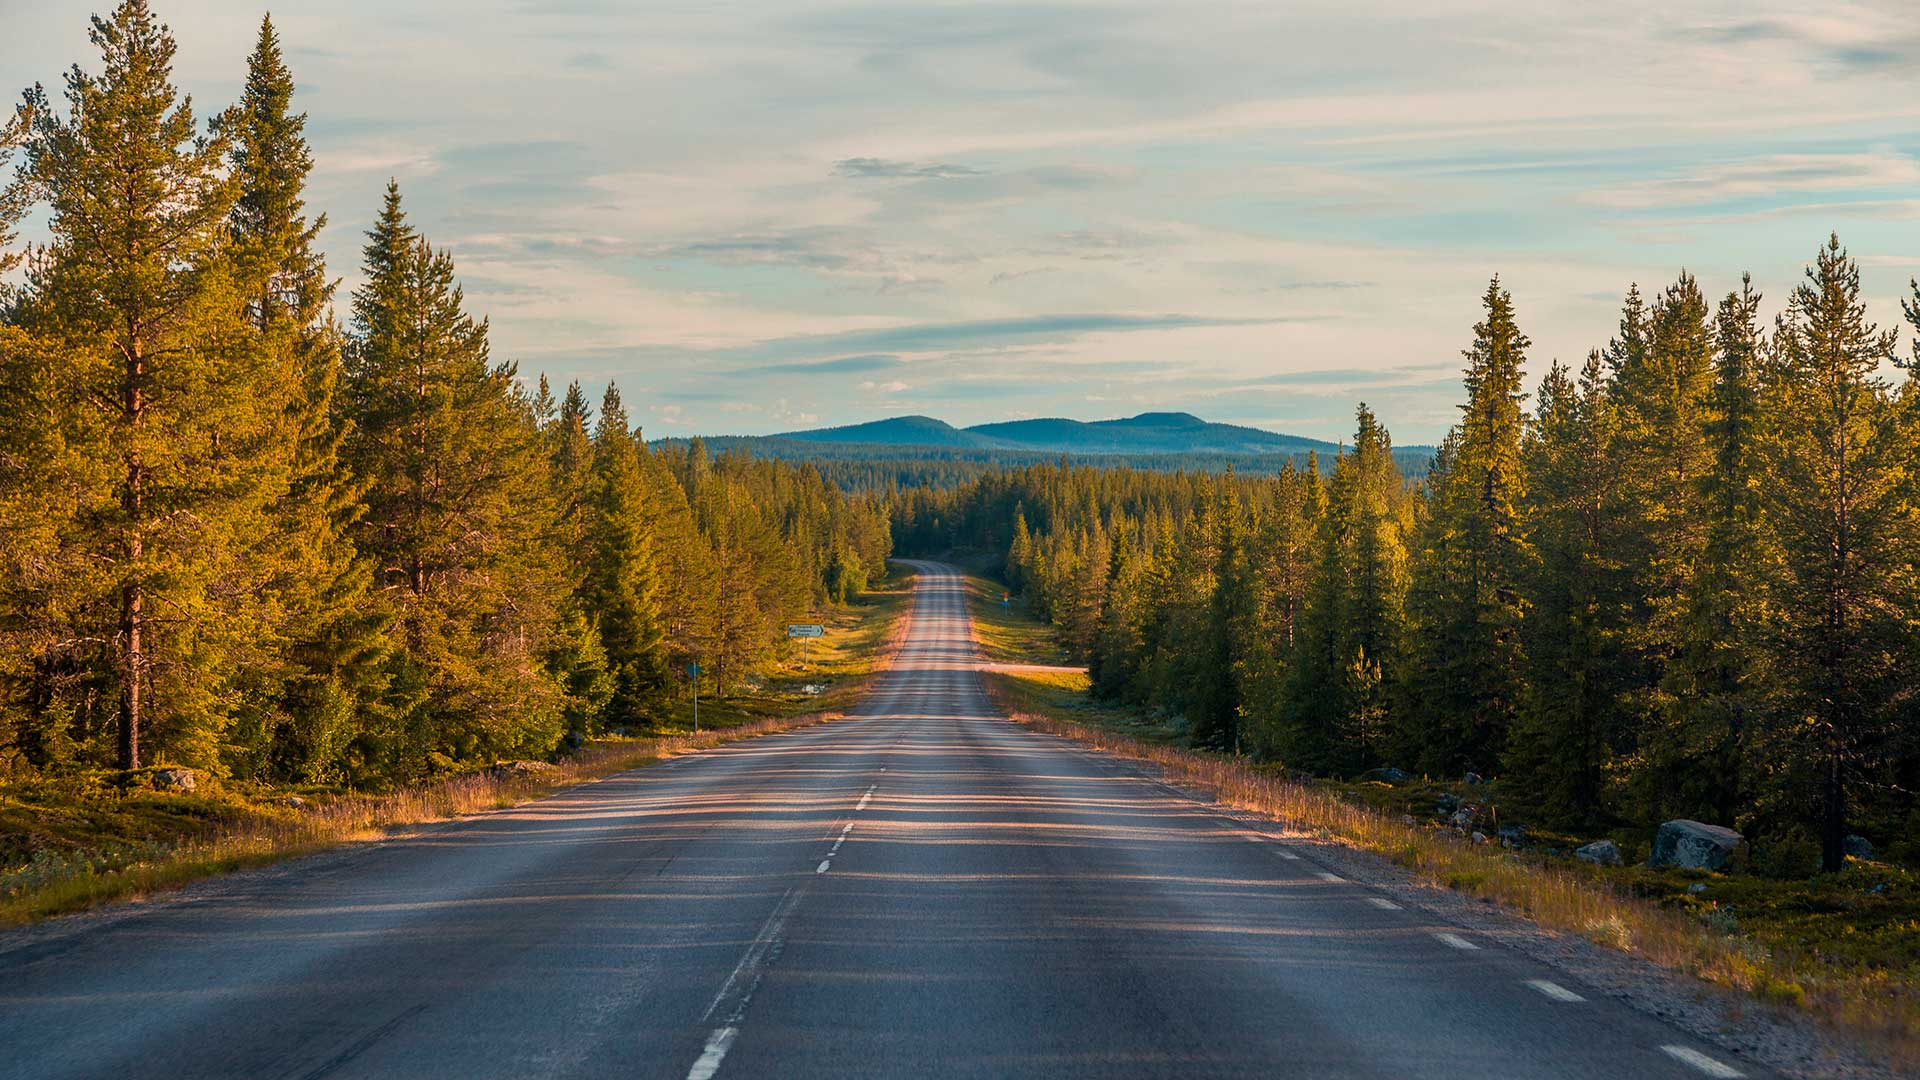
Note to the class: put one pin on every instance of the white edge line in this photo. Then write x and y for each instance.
(717, 1046)
(1456, 941)
(1702, 1062)
(1554, 990)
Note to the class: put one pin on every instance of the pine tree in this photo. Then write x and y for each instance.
(1840, 646)
(165, 409)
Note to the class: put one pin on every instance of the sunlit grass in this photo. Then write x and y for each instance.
(1006, 631)
(824, 674)
(1571, 898)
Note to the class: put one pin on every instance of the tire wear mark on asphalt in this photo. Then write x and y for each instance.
(361, 1045)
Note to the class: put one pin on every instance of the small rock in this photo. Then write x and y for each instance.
(519, 768)
(1474, 778)
(1462, 818)
(176, 779)
(1879, 888)
(1480, 837)
(1696, 888)
(1599, 853)
(1388, 774)
(1695, 845)
(1447, 803)
(1406, 819)
(296, 801)
(1859, 847)
(574, 740)
(1513, 836)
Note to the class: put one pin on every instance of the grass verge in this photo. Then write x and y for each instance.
(1005, 630)
(1871, 1002)
(75, 844)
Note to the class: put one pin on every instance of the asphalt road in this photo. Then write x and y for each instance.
(920, 890)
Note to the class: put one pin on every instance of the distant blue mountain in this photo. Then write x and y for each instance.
(1147, 434)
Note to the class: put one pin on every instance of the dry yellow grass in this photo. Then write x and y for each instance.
(1558, 897)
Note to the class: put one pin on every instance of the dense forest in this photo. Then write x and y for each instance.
(1681, 584)
(244, 533)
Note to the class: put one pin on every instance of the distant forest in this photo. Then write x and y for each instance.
(870, 468)
(239, 535)
(1681, 584)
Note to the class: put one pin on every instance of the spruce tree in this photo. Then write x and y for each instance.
(321, 660)
(1695, 756)
(1472, 554)
(1840, 643)
(459, 513)
(1569, 723)
(618, 583)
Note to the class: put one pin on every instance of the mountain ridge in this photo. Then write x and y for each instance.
(1145, 433)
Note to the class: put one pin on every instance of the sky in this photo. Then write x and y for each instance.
(757, 217)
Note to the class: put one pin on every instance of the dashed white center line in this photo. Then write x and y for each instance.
(822, 868)
(1703, 1063)
(1324, 876)
(716, 1051)
(1383, 903)
(1289, 855)
(1554, 990)
(1455, 941)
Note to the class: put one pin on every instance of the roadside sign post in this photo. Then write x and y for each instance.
(806, 632)
(694, 671)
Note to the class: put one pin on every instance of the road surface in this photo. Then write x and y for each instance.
(922, 889)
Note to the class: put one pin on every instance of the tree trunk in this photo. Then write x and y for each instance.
(1833, 816)
(132, 595)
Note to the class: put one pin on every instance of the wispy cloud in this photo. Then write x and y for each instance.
(867, 168)
(757, 212)
(1770, 176)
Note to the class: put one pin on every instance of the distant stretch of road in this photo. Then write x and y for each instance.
(922, 890)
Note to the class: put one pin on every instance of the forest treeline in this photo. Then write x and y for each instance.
(1681, 584)
(242, 533)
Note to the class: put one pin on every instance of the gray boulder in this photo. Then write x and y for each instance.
(1388, 774)
(1599, 853)
(176, 779)
(1463, 818)
(1859, 847)
(1447, 803)
(1513, 836)
(1695, 845)
(1480, 838)
(1474, 778)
